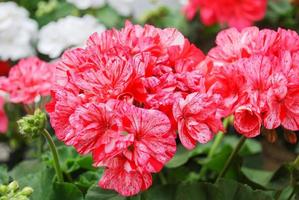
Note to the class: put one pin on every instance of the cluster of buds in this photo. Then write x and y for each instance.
(13, 192)
(32, 125)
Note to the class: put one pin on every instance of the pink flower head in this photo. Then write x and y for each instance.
(3, 117)
(123, 177)
(264, 66)
(27, 80)
(197, 118)
(114, 99)
(247, 121)
(234, 13)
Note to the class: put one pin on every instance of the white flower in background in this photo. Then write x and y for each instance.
(84, 4)
(139, 8)
(123, 7)
(17, 32)
(67, 32)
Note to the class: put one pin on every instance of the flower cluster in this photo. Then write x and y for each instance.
(256, 73)
(31, 78)
(234, 13)
(67, 32)
(17, 32)
(123, 97)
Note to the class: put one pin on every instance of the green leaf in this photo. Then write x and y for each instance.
(70, 160)
(250, 147)
(232, 190)
(96, 193)
(3, 175)
(66, 191)
(25, 168)
(41, 181)
(87, 179)
(180, 158)
(183, 155)
(196, 191)
(260, 177)
(161, 192)
(282, 177)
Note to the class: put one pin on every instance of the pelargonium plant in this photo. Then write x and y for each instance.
(135, 100)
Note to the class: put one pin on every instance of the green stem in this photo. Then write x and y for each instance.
(296, 162)
(231, 158)
(291, 195)
(52, 146)
(216, 143)
(162, 178)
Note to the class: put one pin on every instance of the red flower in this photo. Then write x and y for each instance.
(234, 13)
(152, 146)
(114, 99)
(3, 117)
(197, 118)
(29, 79)
(257, 68)
(247, 121)
(122, 177)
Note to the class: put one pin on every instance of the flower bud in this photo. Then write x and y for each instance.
(3, 189)
(26, 191)
(32, 125)
(21, 198)
(13, 186)
(271, 135)
(290, 136)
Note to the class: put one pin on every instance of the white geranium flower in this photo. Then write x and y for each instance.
(139, 8)
(67, 32)
(17, 32)
(123, 7)
(84, 4)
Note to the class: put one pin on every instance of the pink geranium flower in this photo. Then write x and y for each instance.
(262, 81)
(197, 118)
(29, 79)
(114, 99)
(234, 13)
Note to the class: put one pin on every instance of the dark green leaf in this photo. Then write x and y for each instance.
(161, 192)
(96, 193)
(41, 181)
(65, 191)
(260, 177)
(196, 191)
(3, 175)
(183, 155)
(25, 168)
(89, 178)
(232, 190)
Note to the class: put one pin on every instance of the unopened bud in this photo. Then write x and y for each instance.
(26, 191)
(270, 135)
(32, 125)
(13, 186)
(290, 136)
(3, 189)
(21, 198)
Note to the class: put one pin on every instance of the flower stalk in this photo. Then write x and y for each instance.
(216, 143)
(231, 158)
(53, 149)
